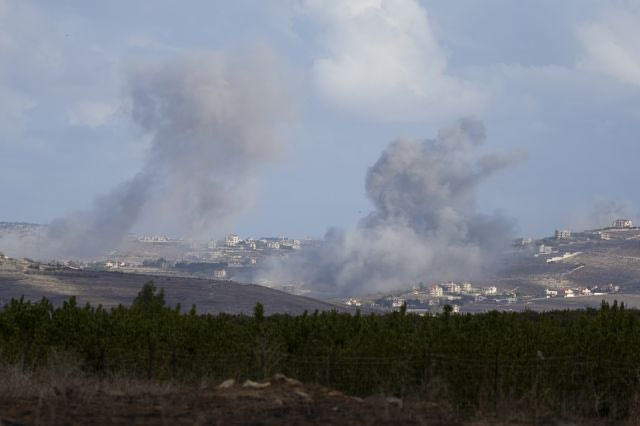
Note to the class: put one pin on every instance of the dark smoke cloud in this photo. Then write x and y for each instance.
(424, 225)
(213, 122)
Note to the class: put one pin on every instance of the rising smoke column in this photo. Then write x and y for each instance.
(424, 225)
(213, 123)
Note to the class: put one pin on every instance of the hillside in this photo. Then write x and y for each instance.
(58, 283)
(606, 269)
(579, 261)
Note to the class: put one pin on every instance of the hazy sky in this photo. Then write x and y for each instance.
(559, 80)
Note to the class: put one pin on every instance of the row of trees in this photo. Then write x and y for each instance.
(585, 362)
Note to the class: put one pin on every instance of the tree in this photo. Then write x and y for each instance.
(258, 312)
(148, 300)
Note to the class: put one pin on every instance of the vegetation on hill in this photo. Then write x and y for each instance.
(576, 363)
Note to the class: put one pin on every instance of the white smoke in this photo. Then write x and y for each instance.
(213, 120)
(424, 225)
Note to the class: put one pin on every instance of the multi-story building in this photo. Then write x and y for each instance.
(453, 287)
(522, 242)
(232, 240)
(436, 290)
(490, 290)
(562, 234)
(274, 245)
(623, 223)
(542, 249)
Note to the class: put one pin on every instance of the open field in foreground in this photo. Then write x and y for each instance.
(60, 398)
(582, 365)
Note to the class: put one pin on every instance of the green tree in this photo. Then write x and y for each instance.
(149, 299)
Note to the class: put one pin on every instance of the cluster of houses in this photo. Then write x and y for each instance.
(236, 253)
(439, 290)
(582, 291)
(230, 241)
(233, 240)
(154, 239)
(426, 298)
(565, 234)
(114, 264)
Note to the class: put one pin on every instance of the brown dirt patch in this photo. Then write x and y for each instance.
(282, 402)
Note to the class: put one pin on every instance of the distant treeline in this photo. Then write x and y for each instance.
(582, 363)
(191, 267)
(201, 267)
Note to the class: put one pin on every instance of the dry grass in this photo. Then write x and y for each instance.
(62, 375)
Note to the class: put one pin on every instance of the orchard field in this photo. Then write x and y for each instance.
(581, 364)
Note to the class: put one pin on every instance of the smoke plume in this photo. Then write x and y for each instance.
(424, 225)
(213, 122)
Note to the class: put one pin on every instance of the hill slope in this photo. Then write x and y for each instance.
(34, 281)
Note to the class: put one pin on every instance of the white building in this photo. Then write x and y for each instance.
(397, 302)
(623, 223)
(453, 287)
(562, 234)
(522, 242)
(232, 240)
(275, 245)
(550, 293)
(436, 290)
(467, 287)
(219, 274)
(544, 249)
(490, 290)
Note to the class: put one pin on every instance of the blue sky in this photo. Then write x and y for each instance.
(559, 80)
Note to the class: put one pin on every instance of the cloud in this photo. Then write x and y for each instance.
(91, 114)
(381, 60)
(611, 44)
(45, 63)
(14, 112)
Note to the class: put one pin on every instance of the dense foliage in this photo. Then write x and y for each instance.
(585, 362)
